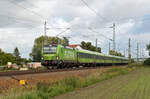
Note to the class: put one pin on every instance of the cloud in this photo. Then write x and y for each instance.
(22, 21)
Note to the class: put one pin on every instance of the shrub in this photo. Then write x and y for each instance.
(147, 62)
(45, 91)
(42, 86)
(73, 81)
(29, 95)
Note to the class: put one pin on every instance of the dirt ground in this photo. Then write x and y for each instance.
(135, 85)
(7, 83)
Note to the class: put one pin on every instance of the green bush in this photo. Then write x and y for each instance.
(29, 95)
(45, 91)
(74, 82)
(147, 62)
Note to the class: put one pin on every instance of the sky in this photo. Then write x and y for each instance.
(21, 21)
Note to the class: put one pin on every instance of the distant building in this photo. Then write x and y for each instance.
(74, 45)
(34, 65)
(139, 59)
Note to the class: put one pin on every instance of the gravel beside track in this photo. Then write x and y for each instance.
(10, 73)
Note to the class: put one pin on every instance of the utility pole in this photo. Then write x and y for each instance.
(124, 52)
(96, 50)
(129, 49)
(137, 52)
(109, 49)
(96, 44)
(140, 51)
(45, 33)
(114, 34)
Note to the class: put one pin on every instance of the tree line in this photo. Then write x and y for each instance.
(37, 48)
(148, 48)
(112, 52)
(147, 61)
(12, 57)
(38, 43)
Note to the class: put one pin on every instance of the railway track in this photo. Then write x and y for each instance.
(10, 73)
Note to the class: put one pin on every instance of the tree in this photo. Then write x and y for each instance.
(65, 41)
(17, 55)
(112, 52)
(147, 62)
(38, 44)
(148, 48)
(89, 46)
(9, 57)
(6, 57)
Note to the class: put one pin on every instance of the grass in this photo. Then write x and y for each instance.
(47, 91)
(134, 85)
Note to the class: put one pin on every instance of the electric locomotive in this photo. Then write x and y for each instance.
(60, 56)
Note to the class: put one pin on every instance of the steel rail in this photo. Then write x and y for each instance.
(14, 73)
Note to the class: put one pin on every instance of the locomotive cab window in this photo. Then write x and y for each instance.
(50, 49)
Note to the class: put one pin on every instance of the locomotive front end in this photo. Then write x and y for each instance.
(49, 55)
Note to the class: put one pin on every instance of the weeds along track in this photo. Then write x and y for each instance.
(15, 73)
(9, 80)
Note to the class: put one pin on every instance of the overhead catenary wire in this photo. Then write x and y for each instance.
(33, 12)
(93, 10)
(133, 18)
(62, 32)
(100, 34)
(104, 17)
(20, 19)
(28, 2)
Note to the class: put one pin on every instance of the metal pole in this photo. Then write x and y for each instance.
(129, 49)
(96, 51)
(140, 51)
(124, 52)
(114, 45)
(137, 52)
(109, 49)
(96, 45)
(45, 33)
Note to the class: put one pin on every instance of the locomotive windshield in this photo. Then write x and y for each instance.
(50, 49)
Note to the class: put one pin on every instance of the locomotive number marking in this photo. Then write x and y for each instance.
(69, 54)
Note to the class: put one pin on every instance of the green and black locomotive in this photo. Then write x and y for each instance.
(60, 57)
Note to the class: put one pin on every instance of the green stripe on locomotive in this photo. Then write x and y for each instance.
(67, 54)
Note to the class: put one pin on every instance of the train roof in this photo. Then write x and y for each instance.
(97, 53)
